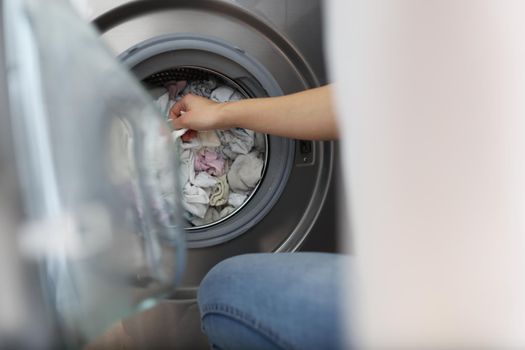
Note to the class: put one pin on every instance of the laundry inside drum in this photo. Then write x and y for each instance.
(219, 170)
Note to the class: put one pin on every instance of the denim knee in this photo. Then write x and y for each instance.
(290, 299)
(226, 320)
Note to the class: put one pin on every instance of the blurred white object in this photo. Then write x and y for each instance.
(430, 97)
(178, 133)
(82, 7)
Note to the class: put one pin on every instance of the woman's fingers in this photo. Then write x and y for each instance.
(194, 112)
(179, 113)
(181, 122)
(177, 108)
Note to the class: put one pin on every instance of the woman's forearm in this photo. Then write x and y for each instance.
(304, 115)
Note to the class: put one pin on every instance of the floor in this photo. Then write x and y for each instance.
(171, 324)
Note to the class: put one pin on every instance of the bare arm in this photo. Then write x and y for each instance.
(304, 115)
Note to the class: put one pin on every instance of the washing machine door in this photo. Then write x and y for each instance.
(95, 172)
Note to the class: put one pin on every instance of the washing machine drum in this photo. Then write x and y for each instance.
(220, 170)
(224, 174)
(280, 209)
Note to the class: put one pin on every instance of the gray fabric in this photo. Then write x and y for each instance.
(245, 172)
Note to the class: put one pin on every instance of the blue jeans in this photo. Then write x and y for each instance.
(274, 301)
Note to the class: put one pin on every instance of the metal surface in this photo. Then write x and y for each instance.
(299, 21)
(137, 21)
(273, 33)
(284, 37)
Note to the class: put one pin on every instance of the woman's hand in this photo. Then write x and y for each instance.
(197, 113)
(306, 115)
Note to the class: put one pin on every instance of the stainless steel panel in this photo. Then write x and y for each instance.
(300, 21)
(264, 30)
(285, 36)
(290, 77)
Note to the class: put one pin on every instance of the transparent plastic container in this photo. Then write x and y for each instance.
(97, 168)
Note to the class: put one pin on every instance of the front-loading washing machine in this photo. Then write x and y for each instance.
(261, 48)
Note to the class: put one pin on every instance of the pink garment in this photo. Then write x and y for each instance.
(175, 88)
(210, 161)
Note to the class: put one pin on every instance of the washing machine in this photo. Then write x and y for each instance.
(261, 48)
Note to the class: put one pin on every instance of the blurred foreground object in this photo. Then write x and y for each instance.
(88, 203)
(431, 103)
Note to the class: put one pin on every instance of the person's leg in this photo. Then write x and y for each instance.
(274, 301)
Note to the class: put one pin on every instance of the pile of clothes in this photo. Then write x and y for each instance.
(219, 169)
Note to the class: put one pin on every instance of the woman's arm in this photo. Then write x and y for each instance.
(304, 115)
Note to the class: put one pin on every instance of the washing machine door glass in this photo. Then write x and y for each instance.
(97, 168)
